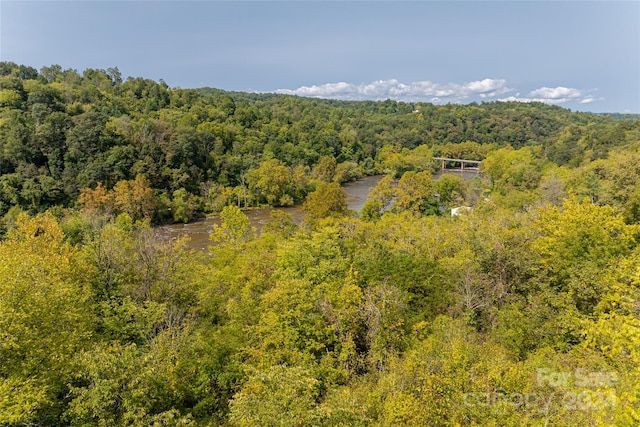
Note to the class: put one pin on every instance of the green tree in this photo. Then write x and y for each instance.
(450, 190)
(45, 319)
(135, 198)
(328, 200)
(632, 207)
(271, 183)
(184, 206)
(511, 169)
(131, 385)
(234, 227)
(415, 193)
(580, 235)
(281, 224)
(325, 169)
(279, 396)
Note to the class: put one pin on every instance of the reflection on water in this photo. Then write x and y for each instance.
(199, 231)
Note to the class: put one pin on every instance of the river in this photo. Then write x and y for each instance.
(199, 230)
(357, 192)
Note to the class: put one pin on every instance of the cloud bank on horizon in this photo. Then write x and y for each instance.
(438, 93)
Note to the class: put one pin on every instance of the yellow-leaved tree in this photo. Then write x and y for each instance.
(615, 334)
(44, 320)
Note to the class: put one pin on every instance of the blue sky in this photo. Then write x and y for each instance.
(580, 55)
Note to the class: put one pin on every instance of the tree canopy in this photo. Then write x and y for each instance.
(523, 311)
(64, 133)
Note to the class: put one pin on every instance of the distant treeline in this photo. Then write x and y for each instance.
(63, 133)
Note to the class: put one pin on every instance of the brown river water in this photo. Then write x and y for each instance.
(199, 231)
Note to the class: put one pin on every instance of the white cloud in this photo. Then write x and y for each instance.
(529, 99)
(326, 90)
(393, 89)
(557, 95)
(437, 93)
(559, 92)
(488, 87)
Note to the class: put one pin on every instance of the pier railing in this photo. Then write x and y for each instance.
(465, 165)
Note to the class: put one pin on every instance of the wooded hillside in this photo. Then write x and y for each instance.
(521, 311)
(62, 132)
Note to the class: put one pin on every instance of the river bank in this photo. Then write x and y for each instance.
(199, 230)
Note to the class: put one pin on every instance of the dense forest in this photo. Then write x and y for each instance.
(162, 154)
(521, 311)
